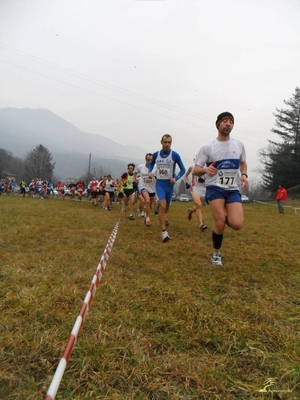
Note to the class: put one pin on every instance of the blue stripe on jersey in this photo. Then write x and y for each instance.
(228, 163)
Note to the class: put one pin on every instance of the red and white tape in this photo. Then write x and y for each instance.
(81, 316)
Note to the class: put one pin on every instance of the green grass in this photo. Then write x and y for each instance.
(164, 323)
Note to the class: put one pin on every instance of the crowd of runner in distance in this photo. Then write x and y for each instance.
(131, 188)
(42, 189)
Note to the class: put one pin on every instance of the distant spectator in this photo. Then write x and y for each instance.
(281, 197)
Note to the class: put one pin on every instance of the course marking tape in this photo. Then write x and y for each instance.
(81, 317)
(275, 205)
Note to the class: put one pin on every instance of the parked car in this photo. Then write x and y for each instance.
(184, 197)
(245, 199)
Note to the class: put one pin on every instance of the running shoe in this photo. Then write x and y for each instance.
(216, 259)
(131, 217)
(147, 222)
(202, 227)
(165, 236)
(190, 214)
(142, 214)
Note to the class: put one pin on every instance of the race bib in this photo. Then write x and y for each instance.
(163, 173)
(147, 180)
(226, 178)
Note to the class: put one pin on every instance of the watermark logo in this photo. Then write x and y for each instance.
(270, 386)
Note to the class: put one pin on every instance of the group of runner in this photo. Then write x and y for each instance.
(218, 174)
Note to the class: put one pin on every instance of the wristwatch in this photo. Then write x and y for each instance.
(244, 173)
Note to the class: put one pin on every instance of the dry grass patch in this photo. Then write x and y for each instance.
(165, 323)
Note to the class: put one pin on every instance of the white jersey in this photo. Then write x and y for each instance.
(165, 166)
(144, 182)
(198, 185)
(109, 186)
(227, 156)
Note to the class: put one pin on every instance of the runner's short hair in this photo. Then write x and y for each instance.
(166, 136)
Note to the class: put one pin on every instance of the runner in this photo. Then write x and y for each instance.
(80, 189)
(101, 187)
(146, 187)
(109, 188)
(50, 188)
(72, 186)
(94, 189)
(166, 161)
(128, 179)
(198, 191)
(61, 190)
(223, 161)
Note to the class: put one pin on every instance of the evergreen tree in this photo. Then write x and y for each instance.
(38, 164)
(281, 159)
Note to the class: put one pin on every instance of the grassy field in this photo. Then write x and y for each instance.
(164, 323)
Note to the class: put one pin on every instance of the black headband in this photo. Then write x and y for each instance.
(221, 116)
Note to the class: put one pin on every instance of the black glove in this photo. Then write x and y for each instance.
(187, 185)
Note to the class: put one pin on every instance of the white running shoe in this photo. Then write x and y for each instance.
(216, 259)
(165, 236)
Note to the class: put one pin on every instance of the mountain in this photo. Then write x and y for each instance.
(21, 130)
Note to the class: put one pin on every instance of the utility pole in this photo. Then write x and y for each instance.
(89, 170)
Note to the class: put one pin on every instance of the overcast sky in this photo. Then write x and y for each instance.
(133, 70)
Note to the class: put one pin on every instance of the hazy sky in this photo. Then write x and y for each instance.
(133, 70)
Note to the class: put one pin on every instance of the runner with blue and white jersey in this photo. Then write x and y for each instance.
(166, 161)
(223, 161)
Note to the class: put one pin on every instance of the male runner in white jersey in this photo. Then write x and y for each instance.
(166, 161)
(146, 186)
(223, 160)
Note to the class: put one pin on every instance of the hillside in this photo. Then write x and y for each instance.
(21, 130)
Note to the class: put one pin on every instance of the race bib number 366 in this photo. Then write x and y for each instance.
(163, 173)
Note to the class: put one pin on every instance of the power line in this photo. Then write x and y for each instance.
(116, 88)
